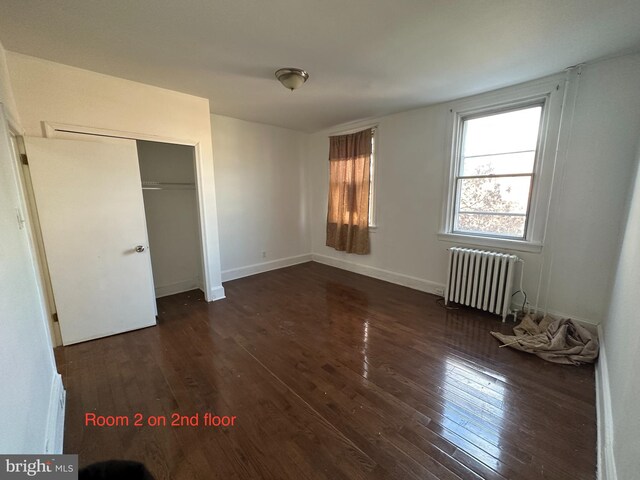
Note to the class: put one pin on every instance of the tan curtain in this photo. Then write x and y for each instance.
(348, 214)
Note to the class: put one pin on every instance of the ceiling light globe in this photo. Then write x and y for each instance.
(292, 78)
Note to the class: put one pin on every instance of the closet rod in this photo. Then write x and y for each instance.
(167, 186)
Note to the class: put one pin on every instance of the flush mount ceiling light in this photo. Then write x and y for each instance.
(292, 78)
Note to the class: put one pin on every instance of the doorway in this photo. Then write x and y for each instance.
(166, 176)
(167, 173)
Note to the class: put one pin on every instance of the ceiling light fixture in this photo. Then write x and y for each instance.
(292, 78)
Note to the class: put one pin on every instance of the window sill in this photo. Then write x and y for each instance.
(516, 245)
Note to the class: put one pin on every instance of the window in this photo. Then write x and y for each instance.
(372, 180)
(503, 148)
(495, 176)
(372, 177)
(349, 212)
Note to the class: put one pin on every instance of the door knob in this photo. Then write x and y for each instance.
(139, 248)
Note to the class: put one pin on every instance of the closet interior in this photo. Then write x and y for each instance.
(169, 190)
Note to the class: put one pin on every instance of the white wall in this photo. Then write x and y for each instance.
(28, 376)
(410, 151)
(261, 201)
(621, 339)
(592, 192)
(579, 254)
(47, 91)
(172, 217)
(6, 92)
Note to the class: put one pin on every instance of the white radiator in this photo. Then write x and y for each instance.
(480, 279)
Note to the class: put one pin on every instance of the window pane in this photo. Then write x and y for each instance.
(498, 164)
(496, 195)
(503, 225)
(512, 131)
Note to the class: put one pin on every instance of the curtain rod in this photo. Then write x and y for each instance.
(354, 130)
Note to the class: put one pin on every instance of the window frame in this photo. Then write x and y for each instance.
(459, 158)
(549, 93)
(372, 178)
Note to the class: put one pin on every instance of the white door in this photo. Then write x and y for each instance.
(89, 201)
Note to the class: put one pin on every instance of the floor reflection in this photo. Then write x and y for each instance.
(347, 310)
(365, 349)
(473, 410)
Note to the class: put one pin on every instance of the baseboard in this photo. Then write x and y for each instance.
(235, 273)
(381, 274)
(591, 325)
(606, 460)
(177, 287)
(216, 293)
(55, 417)
(421, 284)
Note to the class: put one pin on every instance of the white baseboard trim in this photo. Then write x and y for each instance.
(591, 325)
(235, 273)
(606, 460)
(178, 287)
(381, 274)
(421, 284)
(54, 438)
(216, 293)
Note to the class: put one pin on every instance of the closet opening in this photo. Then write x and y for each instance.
(168, 174)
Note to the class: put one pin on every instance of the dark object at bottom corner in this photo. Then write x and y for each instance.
(115, 469)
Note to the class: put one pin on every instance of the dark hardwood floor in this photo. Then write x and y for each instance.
(331, 375)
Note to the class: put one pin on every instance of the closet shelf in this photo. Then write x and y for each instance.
(149, 185)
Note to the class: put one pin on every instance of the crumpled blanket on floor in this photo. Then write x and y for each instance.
(554, 340)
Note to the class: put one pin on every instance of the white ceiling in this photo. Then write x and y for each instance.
(365, 57)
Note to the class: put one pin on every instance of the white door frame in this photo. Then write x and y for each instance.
(57, 130)
(38, 261)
